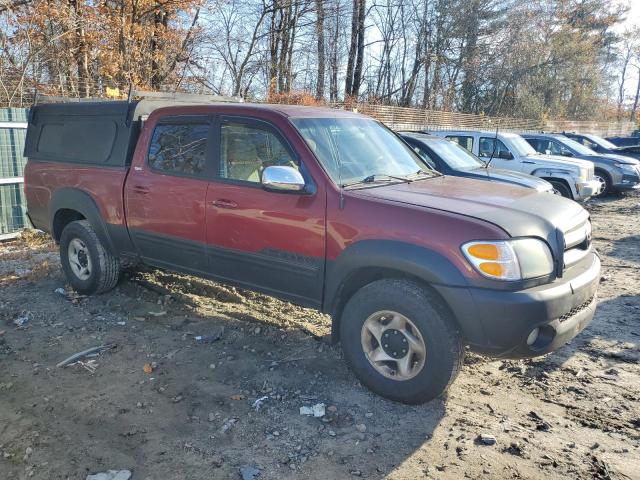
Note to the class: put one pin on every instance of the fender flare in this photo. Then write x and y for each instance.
(409, 259)
(557, 173)
(83, 203)
(553, 172)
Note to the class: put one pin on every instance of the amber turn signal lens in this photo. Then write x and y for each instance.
(493, 269)
(485, 251)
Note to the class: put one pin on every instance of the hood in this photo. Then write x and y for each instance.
(616, 158)
(518, 211)
(513, 177)
(629, 148)
(627, 152)
(559, 161)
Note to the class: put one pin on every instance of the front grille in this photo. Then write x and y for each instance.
(577, 243)
(576, 310)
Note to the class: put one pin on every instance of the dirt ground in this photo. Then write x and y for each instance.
(164, 405)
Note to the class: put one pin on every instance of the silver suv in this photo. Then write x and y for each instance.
(615, 173)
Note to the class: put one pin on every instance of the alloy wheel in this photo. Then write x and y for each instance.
(393, 345)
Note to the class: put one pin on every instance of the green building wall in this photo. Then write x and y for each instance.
(12, 200)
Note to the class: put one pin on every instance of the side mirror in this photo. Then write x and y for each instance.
(278, 178)
(567, 153)
(505, 155)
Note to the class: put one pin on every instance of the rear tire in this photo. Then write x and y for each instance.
(88, 266)
(562, 188)
(386, 305)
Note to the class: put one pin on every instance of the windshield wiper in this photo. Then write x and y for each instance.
(377, 177)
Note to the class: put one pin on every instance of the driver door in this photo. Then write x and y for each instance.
(264, 240)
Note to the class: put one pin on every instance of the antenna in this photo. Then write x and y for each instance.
(495, 145)
(339, 159)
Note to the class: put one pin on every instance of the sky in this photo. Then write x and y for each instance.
(632, 20)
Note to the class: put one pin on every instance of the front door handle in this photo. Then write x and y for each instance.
(140, 189)
(222, 203)
(527, 161)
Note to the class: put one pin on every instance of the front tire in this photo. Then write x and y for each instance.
(605, 183)
(562, 189)
(88, 266)
(400, 341)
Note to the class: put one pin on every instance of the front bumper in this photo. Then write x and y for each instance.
(628, 182)
(498, 323)
(587, 189)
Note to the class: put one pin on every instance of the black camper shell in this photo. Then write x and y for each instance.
(96, 132)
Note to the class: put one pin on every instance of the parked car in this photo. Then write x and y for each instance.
(327, 209)
(573, 178)
(451, 159)
(630, 141)
(600, 145)
(614, 172)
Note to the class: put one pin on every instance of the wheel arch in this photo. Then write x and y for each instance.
(371, 260)
(71, 204)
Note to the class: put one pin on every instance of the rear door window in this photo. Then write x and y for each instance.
(486, 147)
(462, 140)
(179, 148)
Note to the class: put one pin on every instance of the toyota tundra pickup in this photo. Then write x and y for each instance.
(327, 209)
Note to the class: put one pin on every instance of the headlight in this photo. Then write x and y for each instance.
(584, 174)
(517, 259)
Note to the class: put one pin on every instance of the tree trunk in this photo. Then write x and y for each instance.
(353, 48)
(81, 50)
(632, 116)
(321, 59)
(623, 75)
(469, 60)
(333, 61)
(357, 73)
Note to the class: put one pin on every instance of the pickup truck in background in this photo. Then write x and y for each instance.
(327, 209)
(571, 177)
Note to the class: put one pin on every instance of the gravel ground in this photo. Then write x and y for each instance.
(163, 405)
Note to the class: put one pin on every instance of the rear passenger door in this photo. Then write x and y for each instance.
(264, 240)
(463, 140)
(166, 191)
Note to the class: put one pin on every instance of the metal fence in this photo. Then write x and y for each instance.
(13, 129)
(403, 118)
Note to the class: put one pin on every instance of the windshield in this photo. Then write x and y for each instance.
(453, 154)
(578, 147)
(364, 148)
(602, 142)
(520, 145)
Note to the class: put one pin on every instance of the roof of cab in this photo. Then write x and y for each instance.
(289, 111)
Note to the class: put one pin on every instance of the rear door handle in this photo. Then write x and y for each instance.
(527, 161)
(222, 203)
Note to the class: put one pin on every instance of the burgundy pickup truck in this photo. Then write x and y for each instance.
(327, 209)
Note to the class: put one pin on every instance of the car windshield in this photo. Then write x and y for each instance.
(520, 145)
(354, 150)
(602, 142)
(453, 154)
(576, 146)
